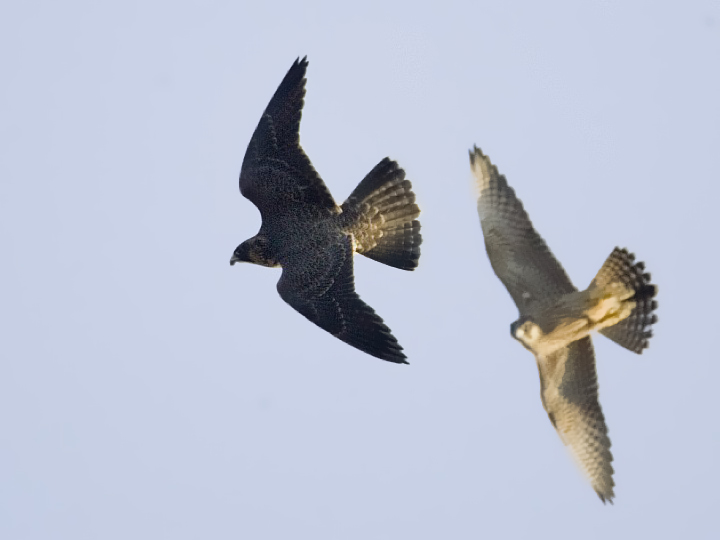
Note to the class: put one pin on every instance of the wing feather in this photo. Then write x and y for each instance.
(569, 392)
(322, 288)
(518, 254)
(276, 172)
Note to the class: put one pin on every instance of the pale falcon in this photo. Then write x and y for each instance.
(556, 319)
(312, 238)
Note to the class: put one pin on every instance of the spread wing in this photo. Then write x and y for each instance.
(517, 253)
(276, 173)
(569, 392)
(321, 286)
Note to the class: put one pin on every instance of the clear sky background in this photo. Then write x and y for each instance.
(150, 390)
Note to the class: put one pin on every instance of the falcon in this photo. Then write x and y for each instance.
(311, 238)
(555, 319)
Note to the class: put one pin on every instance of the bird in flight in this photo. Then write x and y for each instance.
(556, 319)
(313, 239)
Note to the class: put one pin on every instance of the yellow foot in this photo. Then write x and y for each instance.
(613, 306)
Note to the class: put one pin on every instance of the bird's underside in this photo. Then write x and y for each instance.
(312, 238)
(556, 319)
(574, 316)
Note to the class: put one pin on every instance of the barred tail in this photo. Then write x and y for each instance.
(633, 332)
(381, 215)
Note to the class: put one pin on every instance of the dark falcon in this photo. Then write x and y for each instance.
(312, 238)
(556, 319)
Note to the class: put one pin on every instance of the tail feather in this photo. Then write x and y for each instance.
(381, 216)
(633, 332)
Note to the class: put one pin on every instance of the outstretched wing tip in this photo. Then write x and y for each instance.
(475, 153)
(392, 355)
(275, 145)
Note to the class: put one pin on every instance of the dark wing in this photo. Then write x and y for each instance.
(517, 253)
(321, 286)
(275, 169)
(569, 392)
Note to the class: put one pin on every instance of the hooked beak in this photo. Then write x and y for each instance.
(234, 260)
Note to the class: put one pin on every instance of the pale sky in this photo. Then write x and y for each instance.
(150, 390)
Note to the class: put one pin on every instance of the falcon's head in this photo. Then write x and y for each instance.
(527, 332)
(255, 250)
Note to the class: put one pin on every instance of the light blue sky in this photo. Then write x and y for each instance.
(149, 390)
